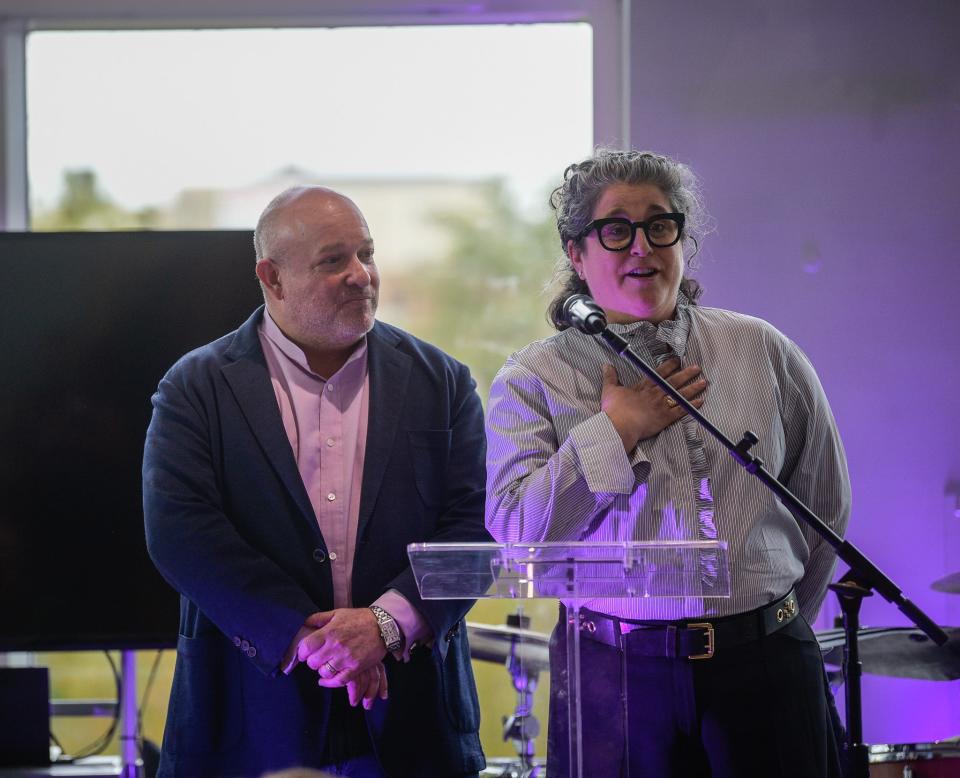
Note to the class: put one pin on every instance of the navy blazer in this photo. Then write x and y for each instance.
(230, 526)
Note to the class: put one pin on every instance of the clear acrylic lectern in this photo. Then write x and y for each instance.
(571, 572)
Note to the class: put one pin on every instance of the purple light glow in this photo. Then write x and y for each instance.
(811, 142)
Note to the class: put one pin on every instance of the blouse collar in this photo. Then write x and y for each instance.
(672, 332)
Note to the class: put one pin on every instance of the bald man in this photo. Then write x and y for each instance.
(286, 468)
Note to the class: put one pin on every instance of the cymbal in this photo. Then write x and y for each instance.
(949, 584)
(899, 652)
(494, 643)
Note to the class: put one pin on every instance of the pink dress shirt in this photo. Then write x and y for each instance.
(326, 424)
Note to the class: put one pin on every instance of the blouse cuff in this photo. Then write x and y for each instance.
(603, 461)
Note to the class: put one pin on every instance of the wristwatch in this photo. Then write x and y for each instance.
(389, 631)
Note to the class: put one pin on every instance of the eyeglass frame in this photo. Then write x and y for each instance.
(599, 224)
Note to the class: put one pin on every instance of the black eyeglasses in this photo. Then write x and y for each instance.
(618, 234)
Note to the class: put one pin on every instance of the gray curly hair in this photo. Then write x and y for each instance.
(584, 183)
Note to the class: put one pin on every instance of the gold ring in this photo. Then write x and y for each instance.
(333, 670)
(671, 402)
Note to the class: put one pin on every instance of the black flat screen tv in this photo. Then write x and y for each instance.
(90, 322)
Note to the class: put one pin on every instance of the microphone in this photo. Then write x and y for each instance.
(582, 313)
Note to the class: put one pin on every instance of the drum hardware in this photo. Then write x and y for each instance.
(525, 654)
(522, 727)
(850, 594)
(859, 582)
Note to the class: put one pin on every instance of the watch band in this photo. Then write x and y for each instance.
(389, 629)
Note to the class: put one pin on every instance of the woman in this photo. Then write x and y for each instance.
(580, 448)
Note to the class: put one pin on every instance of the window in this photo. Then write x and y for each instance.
(451, 163)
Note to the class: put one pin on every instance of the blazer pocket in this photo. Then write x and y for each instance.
(429, 453)
(205, 715)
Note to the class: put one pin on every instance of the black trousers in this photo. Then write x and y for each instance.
(757, 709)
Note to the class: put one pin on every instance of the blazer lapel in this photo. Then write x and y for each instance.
(389, 371)
(249, 379)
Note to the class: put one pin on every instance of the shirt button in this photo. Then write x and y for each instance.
(330, 442)
(329, 387)
(331, 497)
(333, 556)
(319, 555)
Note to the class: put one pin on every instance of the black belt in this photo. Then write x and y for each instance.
(688, 639)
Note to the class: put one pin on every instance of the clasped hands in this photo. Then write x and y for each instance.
(641, 411)
(346, 649)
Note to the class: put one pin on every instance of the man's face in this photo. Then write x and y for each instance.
(326, 285)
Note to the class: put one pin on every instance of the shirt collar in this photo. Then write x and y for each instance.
(295, 354)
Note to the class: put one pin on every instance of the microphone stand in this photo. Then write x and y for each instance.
(858, 582)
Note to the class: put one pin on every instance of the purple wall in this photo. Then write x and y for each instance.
(827, 137)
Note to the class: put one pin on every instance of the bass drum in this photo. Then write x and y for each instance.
(915, 760)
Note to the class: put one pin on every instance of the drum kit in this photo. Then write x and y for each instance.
(899, 652)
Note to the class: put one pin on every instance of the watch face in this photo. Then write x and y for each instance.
(391, 634)
(389, 631)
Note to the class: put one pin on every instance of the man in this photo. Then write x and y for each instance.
(287, 466)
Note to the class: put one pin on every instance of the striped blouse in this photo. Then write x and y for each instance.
(557, 469)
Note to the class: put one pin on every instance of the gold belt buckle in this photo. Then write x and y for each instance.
(710, 639)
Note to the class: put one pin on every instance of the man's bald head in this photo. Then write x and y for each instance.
(278, 223)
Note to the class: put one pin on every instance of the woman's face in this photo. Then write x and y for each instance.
(641, 281)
